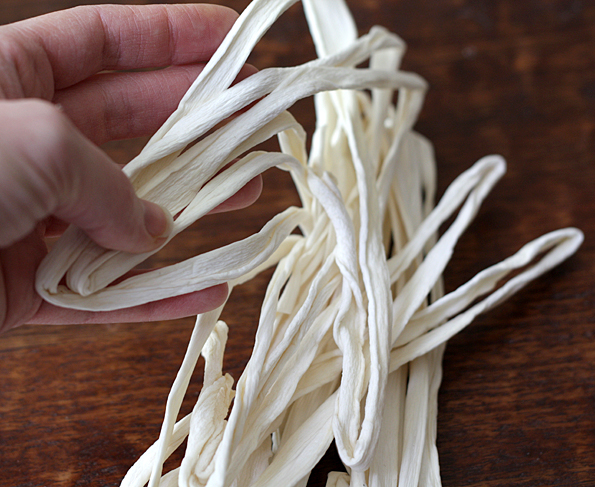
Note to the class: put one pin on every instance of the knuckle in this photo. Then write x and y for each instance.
(25, 67)
(10, 57)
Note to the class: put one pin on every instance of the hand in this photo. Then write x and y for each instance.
(57, 103)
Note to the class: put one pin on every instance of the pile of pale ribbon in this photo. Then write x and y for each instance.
(353, 326)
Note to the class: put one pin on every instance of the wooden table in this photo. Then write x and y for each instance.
(78, 404)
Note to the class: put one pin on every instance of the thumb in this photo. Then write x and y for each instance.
(47, 167)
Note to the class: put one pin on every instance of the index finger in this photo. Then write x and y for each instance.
(60, 49)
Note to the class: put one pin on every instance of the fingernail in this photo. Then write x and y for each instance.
(158, 221)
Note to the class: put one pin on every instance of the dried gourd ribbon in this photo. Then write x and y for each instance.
(354, 322)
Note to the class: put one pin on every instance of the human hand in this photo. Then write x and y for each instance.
(57, 103)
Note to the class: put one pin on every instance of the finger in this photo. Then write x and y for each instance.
(61, 49)
(246, 196)
(114, 106)
(166, 309)
(65, 175)
(243, 198)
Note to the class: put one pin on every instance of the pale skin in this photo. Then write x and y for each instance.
(57, 105)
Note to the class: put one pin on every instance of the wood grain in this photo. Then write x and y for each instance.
(79, 404)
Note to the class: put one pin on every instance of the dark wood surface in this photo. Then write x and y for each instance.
(79, 404)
